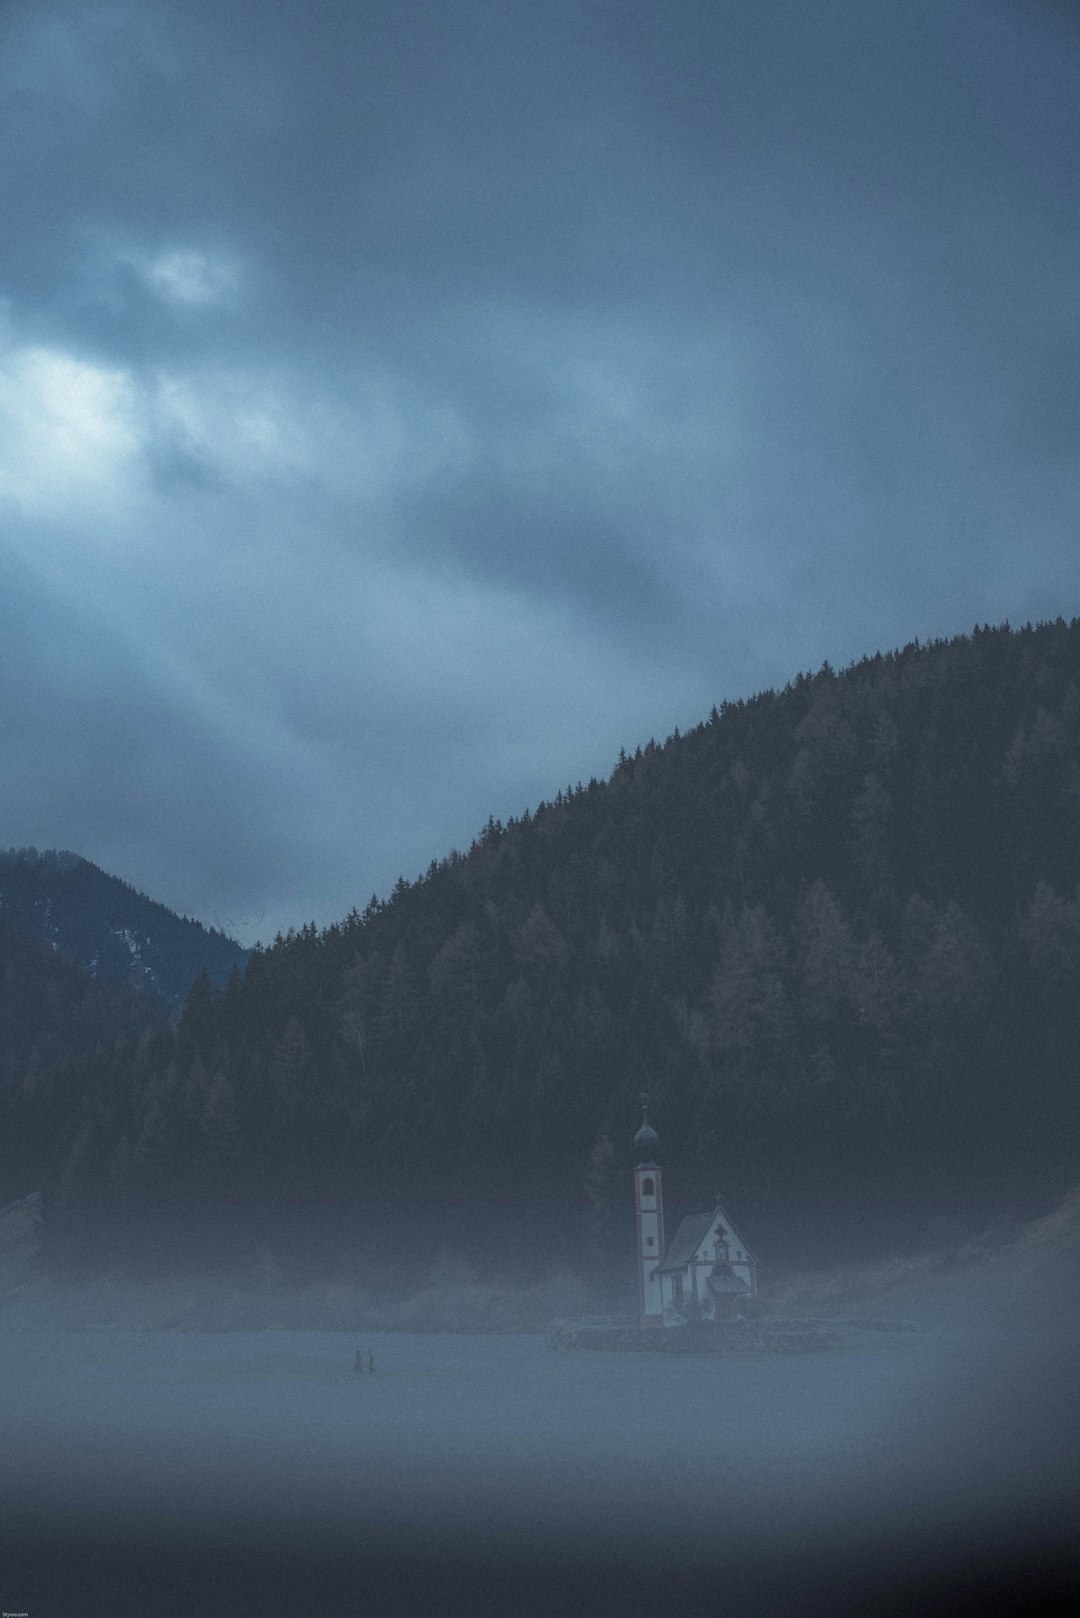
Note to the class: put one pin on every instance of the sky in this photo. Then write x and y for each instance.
(404, 406)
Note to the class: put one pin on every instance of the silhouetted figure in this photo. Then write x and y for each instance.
(358, 1363)
(371, 1364)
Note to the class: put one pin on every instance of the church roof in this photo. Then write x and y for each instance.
(688, 1238)
(647, 1142)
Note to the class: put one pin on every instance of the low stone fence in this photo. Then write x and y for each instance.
(712, 1337)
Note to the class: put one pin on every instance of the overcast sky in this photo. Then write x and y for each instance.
(403, 406)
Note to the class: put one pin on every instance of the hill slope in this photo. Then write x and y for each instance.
(833, 930)
(118, 933)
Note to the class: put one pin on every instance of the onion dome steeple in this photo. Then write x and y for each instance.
(647, 1142)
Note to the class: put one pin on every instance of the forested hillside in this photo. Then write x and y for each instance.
(53, 1008)
(834, 932)
(117, 932)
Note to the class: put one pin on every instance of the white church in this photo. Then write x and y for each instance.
(706, 1273)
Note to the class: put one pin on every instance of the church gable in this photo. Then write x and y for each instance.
(737, 1250)
(696, 1239)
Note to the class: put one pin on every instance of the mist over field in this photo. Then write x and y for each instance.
(928, 1454)
(204, 1471)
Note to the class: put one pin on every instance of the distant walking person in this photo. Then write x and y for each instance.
(358, 1363)
(371, 1364)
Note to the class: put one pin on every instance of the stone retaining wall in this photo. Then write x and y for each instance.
(726, 1337)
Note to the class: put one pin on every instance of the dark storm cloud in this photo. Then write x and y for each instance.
(404, 406)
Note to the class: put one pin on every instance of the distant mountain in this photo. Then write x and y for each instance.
(115, 931)
(53, 1008)
(834, 931)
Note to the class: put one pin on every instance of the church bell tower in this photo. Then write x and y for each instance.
(649, 1210)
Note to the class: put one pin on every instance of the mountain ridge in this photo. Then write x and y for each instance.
(116, 931)
(86, 960)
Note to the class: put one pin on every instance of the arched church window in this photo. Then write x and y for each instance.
(648, 1188)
